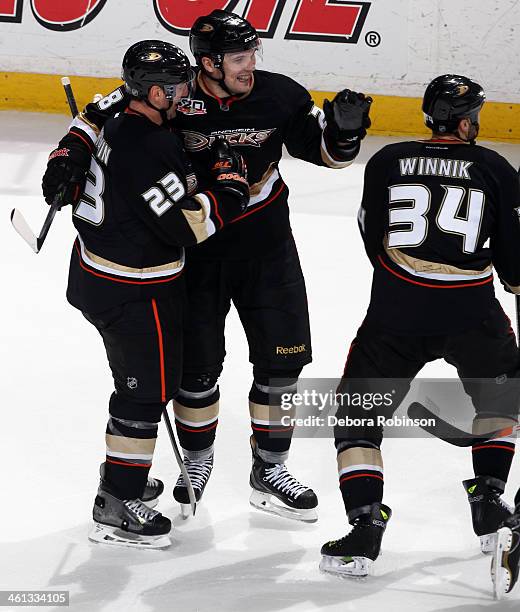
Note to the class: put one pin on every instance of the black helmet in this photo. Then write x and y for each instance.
(450, 98)
(154, 62)
(221, 32)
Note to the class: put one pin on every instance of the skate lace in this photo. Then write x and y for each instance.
(502, 504)
(198, 471)
(142, 510)
(284, 481)
(505, 505)
(355, 528)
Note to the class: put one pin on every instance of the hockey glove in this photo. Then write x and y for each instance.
(347, 119)
(66, 171)
(230, 171)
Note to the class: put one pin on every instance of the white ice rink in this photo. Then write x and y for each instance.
(55, 386)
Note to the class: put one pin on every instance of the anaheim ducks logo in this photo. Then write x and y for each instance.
(195, 141)
(206, 27)
(462, 89)
(152, 56)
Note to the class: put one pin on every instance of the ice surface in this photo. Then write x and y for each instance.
(55, 387)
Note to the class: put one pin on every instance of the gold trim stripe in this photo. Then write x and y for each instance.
(483, 425)
(196, 415)
(274, 414)
(197, 221)
(359, 455)
(433, 267)
(173, 265)
(391, 115)
(514, 289)
(133, 446)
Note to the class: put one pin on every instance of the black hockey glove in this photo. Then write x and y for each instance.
(230, 171)
(66, 171)
(347, 120)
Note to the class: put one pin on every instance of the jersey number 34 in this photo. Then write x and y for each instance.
(447, 219)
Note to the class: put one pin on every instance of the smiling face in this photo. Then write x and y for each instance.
(238, 70)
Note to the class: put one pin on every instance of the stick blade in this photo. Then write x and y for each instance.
(438, 427)
(22, 227)
(417, 411)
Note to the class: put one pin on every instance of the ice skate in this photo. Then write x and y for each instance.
(506, 556)
(276, 491)
(354, 554)
(153, 488)
(199, 471)
(127, 522)
(488, 509)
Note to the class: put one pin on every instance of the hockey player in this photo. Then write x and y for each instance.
(505, 565)
(428, 209)
(254, 262)
(139, 208)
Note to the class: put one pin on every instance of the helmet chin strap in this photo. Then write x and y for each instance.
(162, 111)
(218, 63)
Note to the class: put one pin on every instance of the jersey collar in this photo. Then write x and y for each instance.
(224, 103)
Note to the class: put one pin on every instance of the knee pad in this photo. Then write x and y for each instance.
(197, 390)
(199, 382)
(121, 407)
(354, 426)
(266, 376)
(270, 384)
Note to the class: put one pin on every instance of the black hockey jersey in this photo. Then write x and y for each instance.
(140, 207)
(436, 217)
(276, 112)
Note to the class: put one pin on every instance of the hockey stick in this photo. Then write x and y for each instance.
(65, 81)
(184, 471)
(517, 313)
(449, 433)
(18, 220)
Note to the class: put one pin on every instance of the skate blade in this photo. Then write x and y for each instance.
(114, 536)
(488, 543)
(186, 511)
(500, 573)
(269, 503)
(354, 567)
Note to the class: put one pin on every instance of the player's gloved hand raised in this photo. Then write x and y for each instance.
(347, 118)
(66, 171)
(230, 171)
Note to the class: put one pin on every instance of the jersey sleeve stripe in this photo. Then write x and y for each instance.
(329, 161)
(215, 207)
(200, 221)
(271, 199)
(81, 124)
(261, 190)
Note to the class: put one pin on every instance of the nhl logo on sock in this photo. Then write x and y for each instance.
(131, 382)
